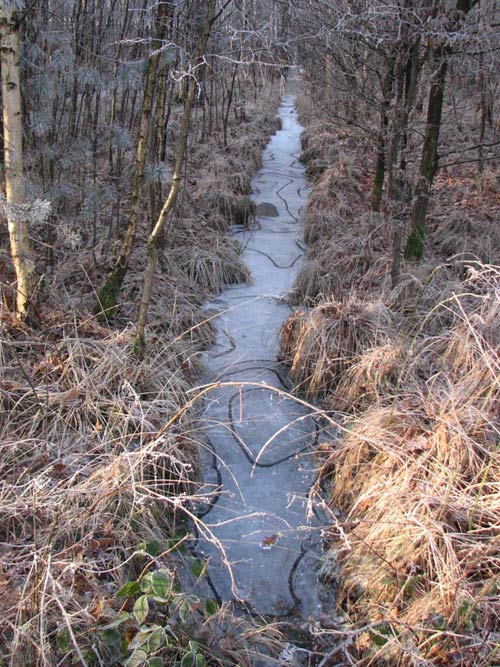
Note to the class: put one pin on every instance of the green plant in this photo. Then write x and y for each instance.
(159, 623)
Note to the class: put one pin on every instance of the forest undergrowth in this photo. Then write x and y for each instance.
(413, 370)
(100, 451)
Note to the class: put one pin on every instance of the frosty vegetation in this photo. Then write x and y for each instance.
(131, 131)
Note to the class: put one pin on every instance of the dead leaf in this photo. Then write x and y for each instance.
(108, 527)
(268, 542)
(96, 610)
(98, 543)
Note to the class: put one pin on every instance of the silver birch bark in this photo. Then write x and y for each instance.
(21, 251)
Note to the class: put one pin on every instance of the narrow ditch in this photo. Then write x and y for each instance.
(262, 528)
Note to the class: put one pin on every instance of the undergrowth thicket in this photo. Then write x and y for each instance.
(414, 370)
(99, 453)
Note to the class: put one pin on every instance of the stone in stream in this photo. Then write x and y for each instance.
(267, 210)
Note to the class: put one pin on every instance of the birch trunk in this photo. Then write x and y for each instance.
(176, 181)
(21, 251)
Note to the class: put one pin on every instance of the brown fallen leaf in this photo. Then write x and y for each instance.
(97, 543)
(268, 542)
(96, 610)
(108, 527)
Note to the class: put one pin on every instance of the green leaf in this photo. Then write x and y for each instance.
(140, 640)
(200, 660)
(156, 640)
(121, 618)
(198, 568)
(211, 607)
(111, 637)
(129, 589)
(153, 548)
(156, 662)
(64, 640)
(147, 583)
(161, 584)
(184, 611)
(137, 658)
(188, 660)
(141, 609)
(89, 657)
(193, 646)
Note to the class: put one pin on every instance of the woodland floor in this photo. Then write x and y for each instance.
(100, 461)
(413, 370)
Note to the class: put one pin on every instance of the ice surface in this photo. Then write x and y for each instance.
(259, 441)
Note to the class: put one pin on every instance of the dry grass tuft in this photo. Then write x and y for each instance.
(460, 232)
(213, 268)
(415, 475)
(321, 225)
(419, 484)
(240, 183)
(235, 209)
(313, 284)
(320, 149)
(373, 377)
(99, 466)
(337, 191)
(422, 290)
(88, 474)
(344, 255)
(321, 344)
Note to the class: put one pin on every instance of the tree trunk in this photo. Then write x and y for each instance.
(21, 251)
(140, 340)
(109, 293)
(406, 79)
(378, 181)
(429, 163)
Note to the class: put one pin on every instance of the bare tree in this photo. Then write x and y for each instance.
(21, 251)
(453, 20)
(108, 295)
(390, 58)
(180, 153)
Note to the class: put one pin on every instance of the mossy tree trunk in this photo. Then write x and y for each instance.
(109, 293)
(21, 251)
(180, 152)
(430, 158)
(406, 79)
(415, 245)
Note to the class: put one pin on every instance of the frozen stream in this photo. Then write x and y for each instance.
(259, 463)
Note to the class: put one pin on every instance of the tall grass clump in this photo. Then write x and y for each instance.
(99, 468)
(411, 368)
(319, 345)
(416, 475)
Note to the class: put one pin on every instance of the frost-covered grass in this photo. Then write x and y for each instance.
(415, 474)
(98, 449)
